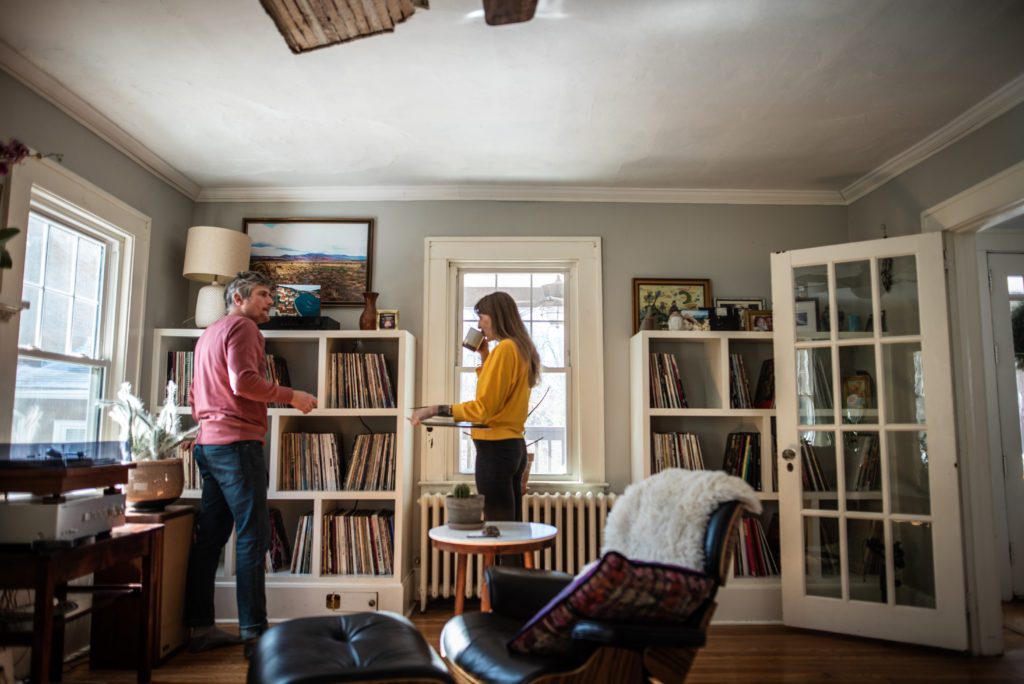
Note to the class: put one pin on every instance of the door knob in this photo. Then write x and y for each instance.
(789, 454)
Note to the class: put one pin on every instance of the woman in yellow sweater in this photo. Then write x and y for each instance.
(504, 379)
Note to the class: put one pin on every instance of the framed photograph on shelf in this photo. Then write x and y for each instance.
(657, 295)
(336, 254)
(757, 319)
(387, 319)
(805, 312)
(856, 396)
(734, 307)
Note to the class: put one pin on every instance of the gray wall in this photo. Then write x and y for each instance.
(899, 203)
(40, 125)
(729, 244)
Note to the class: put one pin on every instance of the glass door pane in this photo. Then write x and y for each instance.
(852, 458)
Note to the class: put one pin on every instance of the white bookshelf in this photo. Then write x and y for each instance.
(307, 355)
(703, 361)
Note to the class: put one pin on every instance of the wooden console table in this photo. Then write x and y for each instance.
(48, 571)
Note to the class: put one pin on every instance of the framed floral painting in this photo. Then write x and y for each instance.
(657, 296)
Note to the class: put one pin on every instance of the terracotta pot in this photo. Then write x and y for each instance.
(152, 485)
(466, 513)
(368, 319)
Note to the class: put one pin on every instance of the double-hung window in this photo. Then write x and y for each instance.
(556, 283)
(81, 267)
(539, 296)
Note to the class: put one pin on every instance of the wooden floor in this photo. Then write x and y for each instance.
(747, 655)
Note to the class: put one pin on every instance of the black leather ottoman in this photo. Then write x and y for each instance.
(359, 647)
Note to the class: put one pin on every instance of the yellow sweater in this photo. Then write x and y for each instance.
(502, 395)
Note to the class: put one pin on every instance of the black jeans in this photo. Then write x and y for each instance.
(499, 477)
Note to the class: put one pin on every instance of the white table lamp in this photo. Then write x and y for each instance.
(214, 256)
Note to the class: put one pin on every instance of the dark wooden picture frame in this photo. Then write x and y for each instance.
(334, 253)
(687, 293)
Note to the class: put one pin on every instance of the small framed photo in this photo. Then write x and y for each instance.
(657, 295)
(805, 312)
(758, 319)
(734, 307)
(856, 396)
(387, 319)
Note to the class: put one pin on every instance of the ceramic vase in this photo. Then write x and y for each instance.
(368, 319)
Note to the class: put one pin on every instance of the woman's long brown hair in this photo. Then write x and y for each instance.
(506, 324)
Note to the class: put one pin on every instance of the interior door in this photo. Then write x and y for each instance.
(868, 491)
(1007, 296)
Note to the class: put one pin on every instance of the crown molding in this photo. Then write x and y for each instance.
(518, 193)
(995, 105)
(84, 113)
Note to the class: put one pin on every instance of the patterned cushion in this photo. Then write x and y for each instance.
(617, 588)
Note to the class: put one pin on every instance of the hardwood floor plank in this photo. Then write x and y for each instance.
(748, 654)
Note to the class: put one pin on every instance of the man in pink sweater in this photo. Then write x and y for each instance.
(229, 396)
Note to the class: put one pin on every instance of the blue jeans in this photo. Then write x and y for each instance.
(234, 495)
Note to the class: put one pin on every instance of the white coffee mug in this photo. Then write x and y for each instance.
(474, 338)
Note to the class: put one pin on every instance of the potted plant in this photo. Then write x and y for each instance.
(158, 476)
(465, 510)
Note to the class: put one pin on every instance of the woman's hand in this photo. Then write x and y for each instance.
(484, 350)
(419, 415)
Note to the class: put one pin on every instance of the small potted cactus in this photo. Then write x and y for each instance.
(465, 510)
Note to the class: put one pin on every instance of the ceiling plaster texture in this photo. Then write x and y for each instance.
(740, 95)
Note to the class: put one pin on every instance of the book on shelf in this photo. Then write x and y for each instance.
(743, 457)
(279, 555)
(814, 479)
(866, 446)
(276, 370)
(310, 461)
(676, 450)
(302, 553)
(179, 369)
(193, 480)
(764, 395)
(666, 385)
(359, 381)
(372, 466)
(739, 384)
(357, 543)
(754, 556)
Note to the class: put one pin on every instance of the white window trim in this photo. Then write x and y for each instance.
(586, 350)
(47, 182)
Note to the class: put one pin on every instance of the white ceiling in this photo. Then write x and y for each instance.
(660, 99)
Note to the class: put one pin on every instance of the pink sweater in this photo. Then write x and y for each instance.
(229, 392)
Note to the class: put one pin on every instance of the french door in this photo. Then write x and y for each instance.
(1007, 297)
(868, 492)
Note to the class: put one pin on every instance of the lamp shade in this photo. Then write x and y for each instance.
(215, 255)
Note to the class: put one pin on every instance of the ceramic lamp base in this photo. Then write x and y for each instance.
(210, 305)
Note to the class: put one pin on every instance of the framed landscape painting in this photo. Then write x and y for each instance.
(335, 254)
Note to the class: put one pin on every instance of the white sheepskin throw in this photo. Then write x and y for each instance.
(664, 517)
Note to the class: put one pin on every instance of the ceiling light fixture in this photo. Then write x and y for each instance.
(310, 24)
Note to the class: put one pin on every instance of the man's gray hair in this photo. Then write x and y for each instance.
(243, 284)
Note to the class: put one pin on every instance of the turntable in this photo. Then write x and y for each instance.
(58, 494)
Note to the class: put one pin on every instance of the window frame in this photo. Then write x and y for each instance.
(46, 187)
(443, 258)
(565, 370)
